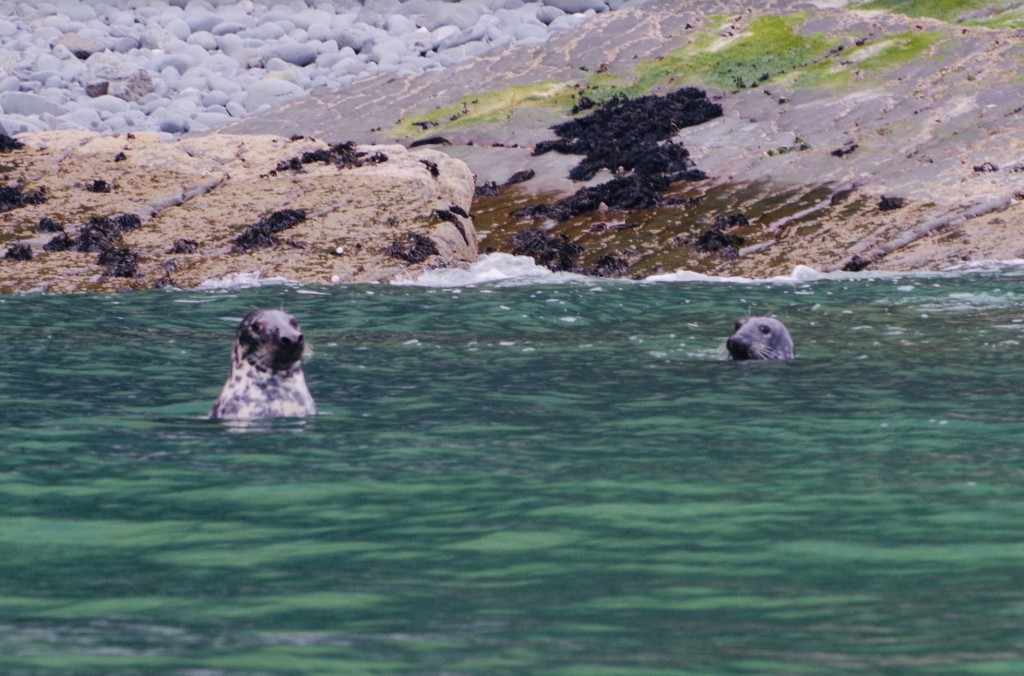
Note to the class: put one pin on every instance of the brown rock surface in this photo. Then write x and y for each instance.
(207, 191)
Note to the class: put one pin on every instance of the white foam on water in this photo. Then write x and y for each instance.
(495, 268)
(244, 280)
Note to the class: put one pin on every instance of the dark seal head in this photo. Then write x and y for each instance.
(760, 338)
(266, 378)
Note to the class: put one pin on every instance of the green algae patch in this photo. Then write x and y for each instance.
(772, 47)
(489, 107)
(899, 49)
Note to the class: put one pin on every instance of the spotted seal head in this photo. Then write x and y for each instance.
(266, 378)
(760, 338)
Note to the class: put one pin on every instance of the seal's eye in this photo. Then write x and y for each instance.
(763, 328)
(294, 324)
(739, 323)
(258, 327)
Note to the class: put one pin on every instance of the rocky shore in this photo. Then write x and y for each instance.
(130, 211)
(845, 136)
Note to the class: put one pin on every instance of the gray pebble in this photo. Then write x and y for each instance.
(25, 103)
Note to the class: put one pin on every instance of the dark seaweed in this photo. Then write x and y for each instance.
(342, 155)
(488, 189)
(415, 248)
(18, 252)
(119, 262)
(890, 203)
(12, 197)
(101, 232)
(627, 136)
(8, 144)
(521, 176)
(624, 133)
(184, 246)
(555, 252)
(431, 167)
(61, 242)
(262, 233)
(49, 225)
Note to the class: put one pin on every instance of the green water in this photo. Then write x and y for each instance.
(555, 478)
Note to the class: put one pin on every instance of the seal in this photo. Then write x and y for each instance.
(760, 338)
(266, 378)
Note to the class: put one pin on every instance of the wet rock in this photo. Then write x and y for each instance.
(414, 248)
(98, 185)
(263, 232)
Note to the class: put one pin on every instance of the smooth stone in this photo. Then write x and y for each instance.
(203, 39)
(308, 18)
(81, 117)
(178, 28)
(132, 88)
(228, 27)
(298, 54)
(178, 62)
(8, 29)
(236, 109)
(80, 46)
(25, 103)
(271, 92)
(215, 98)
(174, 125)
(266, 31)
(578, 6)
(530, 33)
(201, 21)
(11, 125)
(359, 40)
(547, 14)
(107, 103)
(76, 11)
(207, 120)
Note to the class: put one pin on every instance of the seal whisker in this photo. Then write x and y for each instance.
(763, 338)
